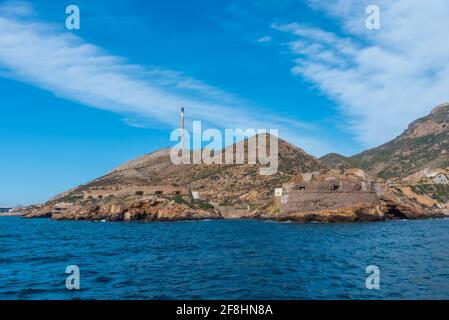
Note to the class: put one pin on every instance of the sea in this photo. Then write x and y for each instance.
(227, 259)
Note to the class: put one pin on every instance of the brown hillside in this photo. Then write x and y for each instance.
(221, 184)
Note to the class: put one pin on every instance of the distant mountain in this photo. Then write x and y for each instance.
(425, 144)
(337, 161)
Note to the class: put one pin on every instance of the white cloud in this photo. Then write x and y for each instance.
(382, 80)
(264, 39)
(16, 8)
(56, 60)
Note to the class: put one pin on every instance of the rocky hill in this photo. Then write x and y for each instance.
(337, 161)
(424, 144)
(222, 184)
(219, 186)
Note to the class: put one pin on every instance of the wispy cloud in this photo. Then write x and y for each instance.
(63, 63)
(54, 59)
(264, 39)
(381, 80)
(16, 9)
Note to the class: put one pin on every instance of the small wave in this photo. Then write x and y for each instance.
(27, 292)
(103, 279)
(160, 297)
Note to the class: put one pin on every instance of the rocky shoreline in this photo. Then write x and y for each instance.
(392, 205)
(11, 214)
(92, 213)
(126, 209)
(321, 196)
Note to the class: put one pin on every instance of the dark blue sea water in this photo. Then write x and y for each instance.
(223, 259)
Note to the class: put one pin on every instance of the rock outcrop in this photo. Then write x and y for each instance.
(426, 191)
(150, 208)
(337, 161)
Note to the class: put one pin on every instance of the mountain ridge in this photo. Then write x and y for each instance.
(424, 144)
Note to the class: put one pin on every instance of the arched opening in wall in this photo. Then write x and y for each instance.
(159, 192)
(335, 187)
(100, 197)
(177, 192)
(139, 193)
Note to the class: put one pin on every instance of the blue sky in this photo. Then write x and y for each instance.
(75, 104)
